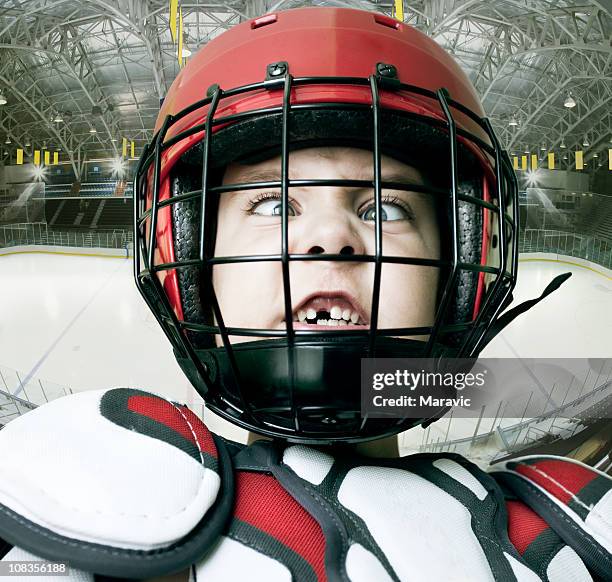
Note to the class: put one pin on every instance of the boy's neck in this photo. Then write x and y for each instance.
(386, 448)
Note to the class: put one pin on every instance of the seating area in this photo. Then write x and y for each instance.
(89, 214)
(101, 189)
(117, 214)
(62, 213)
(125, 189)
(596, 220)
(586, 214)
(59, 190)
(602, 225)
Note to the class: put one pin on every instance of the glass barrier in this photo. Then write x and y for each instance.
(592, 248)
(20, 393)
(39, 234)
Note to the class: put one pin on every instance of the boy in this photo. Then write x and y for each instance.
(321, 188)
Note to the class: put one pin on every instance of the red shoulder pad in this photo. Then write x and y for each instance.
(563, 496)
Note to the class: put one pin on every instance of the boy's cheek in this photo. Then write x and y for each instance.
(406, 296)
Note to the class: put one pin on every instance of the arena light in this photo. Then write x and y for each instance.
(2, 99)
(586, 143)
(92, 129)
(569, 102)
(118, 167)
(8, 140)
(562, 145)
(532, 177)
(58, 118)
(185, 53)
(39, 172)
(513, 121)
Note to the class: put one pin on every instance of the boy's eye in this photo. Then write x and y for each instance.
(271, 207)
(389, 212)
(269, 204)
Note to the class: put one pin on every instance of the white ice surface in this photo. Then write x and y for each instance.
(80, 322)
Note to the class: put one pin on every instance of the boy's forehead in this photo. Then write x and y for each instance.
(341, 162)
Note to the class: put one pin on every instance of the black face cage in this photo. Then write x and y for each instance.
(268, 385)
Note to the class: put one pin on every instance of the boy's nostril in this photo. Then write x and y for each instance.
(316, 250)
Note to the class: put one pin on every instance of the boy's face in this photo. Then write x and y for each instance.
(325, 219)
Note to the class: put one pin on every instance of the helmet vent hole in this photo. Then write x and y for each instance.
(388, 21)
(264, 21)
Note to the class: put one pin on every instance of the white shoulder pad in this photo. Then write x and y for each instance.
(112, 474)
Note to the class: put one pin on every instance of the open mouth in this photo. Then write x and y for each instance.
(335, 309)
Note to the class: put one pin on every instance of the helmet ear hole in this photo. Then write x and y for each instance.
(194, 291)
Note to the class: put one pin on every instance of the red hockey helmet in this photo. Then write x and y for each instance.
(306, 78)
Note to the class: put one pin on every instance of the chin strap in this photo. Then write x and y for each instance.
(513, 313)
(507, 318)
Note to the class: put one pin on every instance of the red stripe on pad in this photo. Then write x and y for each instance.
(263, 503)
(167, 414)
(562, 479)
(524, 525)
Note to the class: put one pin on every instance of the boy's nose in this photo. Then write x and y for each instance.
(327, 235)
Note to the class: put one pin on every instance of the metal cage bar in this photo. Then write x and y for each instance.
(376, 163)
(287, 84)
(501, 197)
(446, 295)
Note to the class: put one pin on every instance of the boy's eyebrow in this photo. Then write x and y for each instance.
(274, 175)
(401, 177)
(259, 176)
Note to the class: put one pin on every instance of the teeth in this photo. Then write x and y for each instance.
(337, 316)
(346, 315)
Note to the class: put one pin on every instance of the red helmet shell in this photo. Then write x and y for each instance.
(315, 42)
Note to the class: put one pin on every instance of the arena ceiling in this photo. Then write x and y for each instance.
(105, 64)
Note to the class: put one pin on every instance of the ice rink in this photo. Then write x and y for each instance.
(78, 321)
